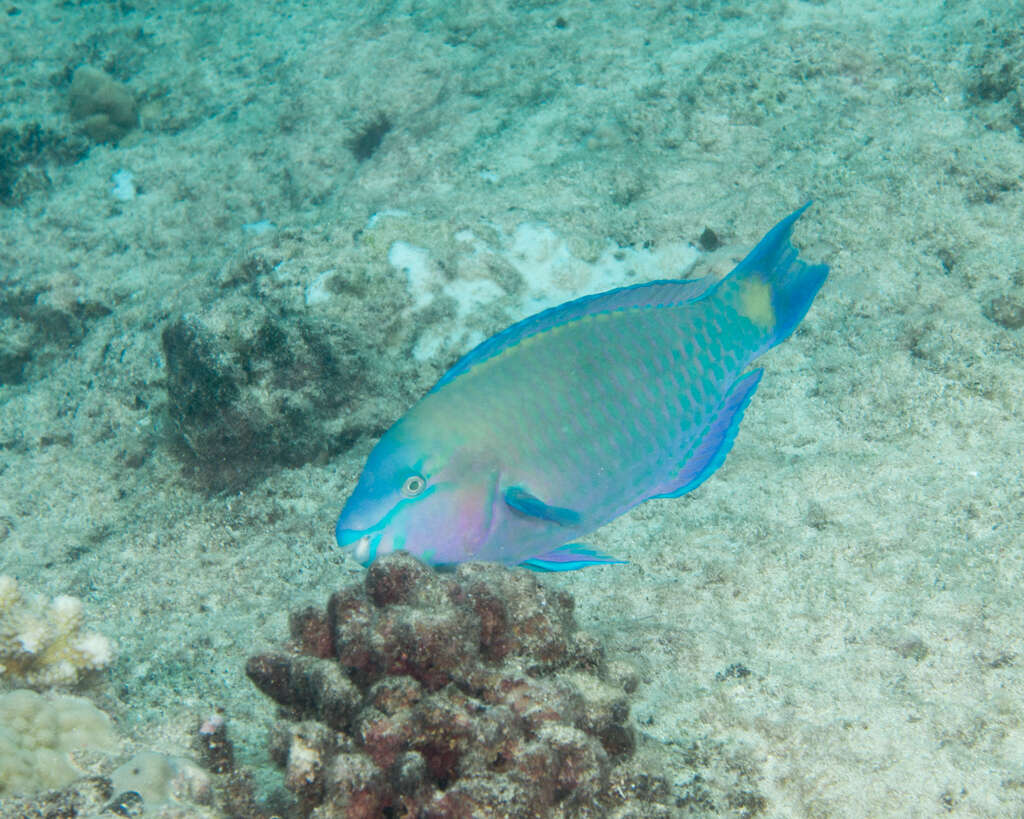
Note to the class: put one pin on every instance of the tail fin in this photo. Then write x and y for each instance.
(772, 286)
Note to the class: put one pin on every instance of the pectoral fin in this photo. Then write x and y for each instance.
(528, 504)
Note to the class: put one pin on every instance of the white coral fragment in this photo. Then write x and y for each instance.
(42, 643)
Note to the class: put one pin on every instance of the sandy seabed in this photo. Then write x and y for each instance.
(832, 622)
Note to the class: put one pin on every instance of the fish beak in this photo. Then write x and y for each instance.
(364, 545)
(361, 551)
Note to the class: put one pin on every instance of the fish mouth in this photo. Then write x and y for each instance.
(365, 544)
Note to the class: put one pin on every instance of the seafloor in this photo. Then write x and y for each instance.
(324, 204)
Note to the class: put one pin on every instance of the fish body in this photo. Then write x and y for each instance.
(569, 418)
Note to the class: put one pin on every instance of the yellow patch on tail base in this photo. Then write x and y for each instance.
(756, 303)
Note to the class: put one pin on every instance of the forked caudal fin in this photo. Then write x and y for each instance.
(772, 286)
(773, 289)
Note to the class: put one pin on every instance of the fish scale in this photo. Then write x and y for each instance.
(571, 417)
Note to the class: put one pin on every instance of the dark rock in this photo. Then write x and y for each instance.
(709, 240)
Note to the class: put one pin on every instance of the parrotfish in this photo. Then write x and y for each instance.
(569, 418)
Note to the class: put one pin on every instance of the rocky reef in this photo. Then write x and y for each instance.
(421, 694)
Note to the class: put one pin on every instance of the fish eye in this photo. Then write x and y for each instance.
(412, 486)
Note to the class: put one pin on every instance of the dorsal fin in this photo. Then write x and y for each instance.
(662, 293)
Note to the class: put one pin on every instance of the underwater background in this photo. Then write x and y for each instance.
(237, 241)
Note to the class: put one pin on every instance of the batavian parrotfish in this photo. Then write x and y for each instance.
(569, 418)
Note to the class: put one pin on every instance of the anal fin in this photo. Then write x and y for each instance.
(717, 441)
(568, 558)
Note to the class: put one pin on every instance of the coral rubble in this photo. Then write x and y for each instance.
(470, 694)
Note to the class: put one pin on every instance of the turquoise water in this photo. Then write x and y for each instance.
(294, 217)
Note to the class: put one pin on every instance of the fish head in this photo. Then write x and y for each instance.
(432, 501)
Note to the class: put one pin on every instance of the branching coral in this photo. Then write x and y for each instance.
(42, 643)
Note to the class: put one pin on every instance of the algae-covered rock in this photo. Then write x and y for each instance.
(468, 694)
(37, 328)
(104, 108)
(1006, 311)
(26, 153)
(250, 390)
